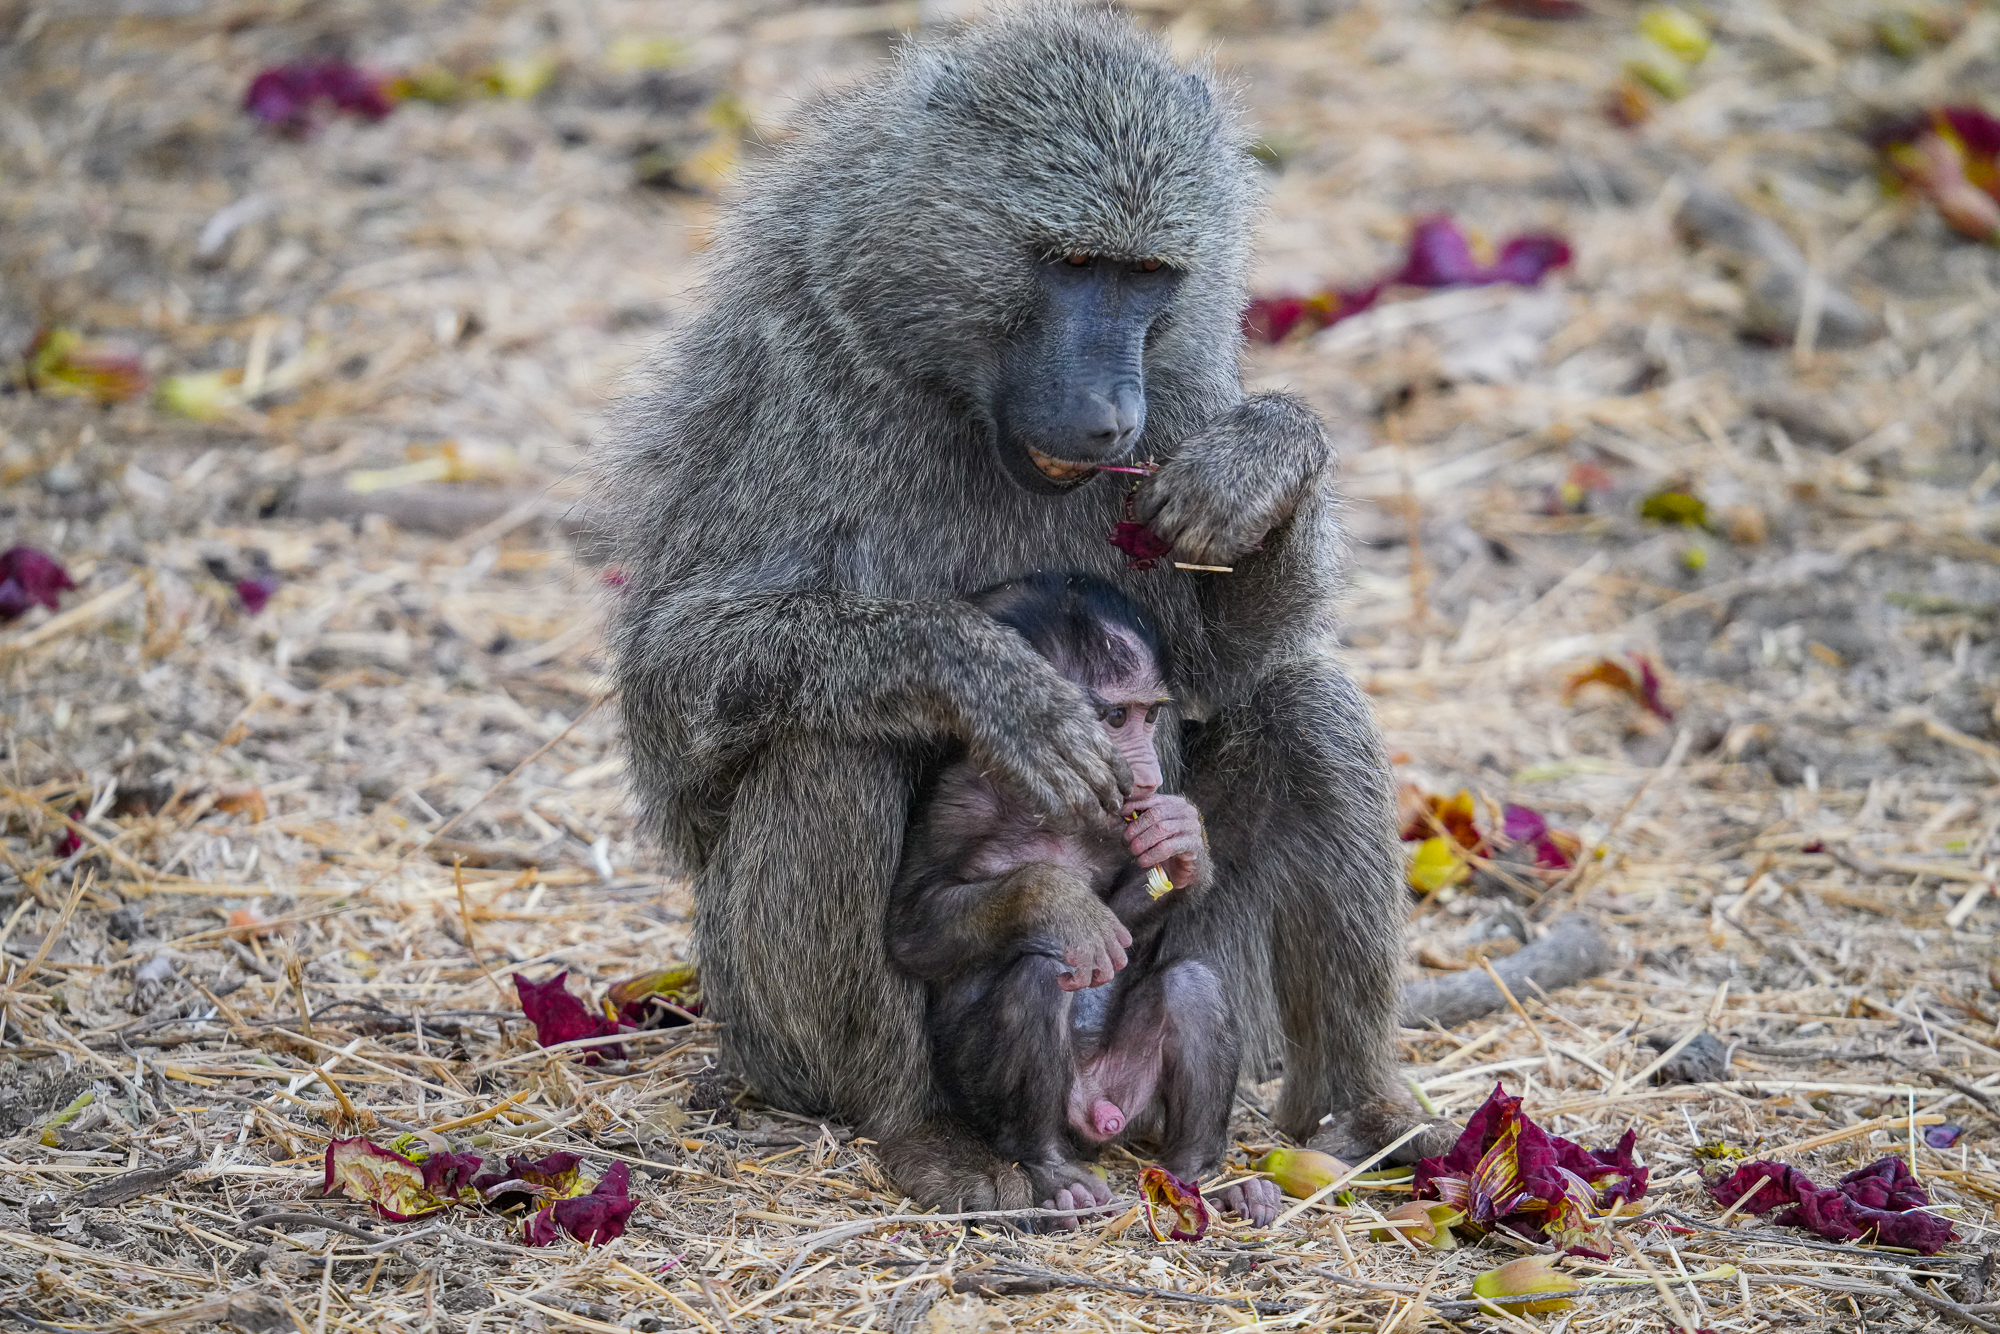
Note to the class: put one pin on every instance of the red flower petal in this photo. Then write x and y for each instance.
(592, 1219)
(1142, 546)
(27, 577)
(560, 1017)
(1882, 1198)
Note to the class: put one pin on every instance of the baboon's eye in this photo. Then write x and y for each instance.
(1076, 259)
(1149, 266)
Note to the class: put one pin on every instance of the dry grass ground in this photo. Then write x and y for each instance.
(256, 907)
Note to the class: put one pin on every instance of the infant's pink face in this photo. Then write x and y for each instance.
(1129, 708)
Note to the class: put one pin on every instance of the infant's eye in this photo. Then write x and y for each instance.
(1149, 266)
(1114, 718)
(1076, 258)
(1153, 714)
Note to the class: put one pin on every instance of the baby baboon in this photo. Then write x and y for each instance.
(1044, 1040)
(951, 297)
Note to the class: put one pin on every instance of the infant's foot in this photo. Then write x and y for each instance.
(1257, 1200)
(1066, 1186)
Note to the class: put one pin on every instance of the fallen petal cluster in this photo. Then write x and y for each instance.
(1882, 1199)
(402, 1188)
(1505, 1170)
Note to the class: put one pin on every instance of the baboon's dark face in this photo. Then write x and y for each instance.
(1071, 392)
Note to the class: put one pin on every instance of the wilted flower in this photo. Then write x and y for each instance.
(592, 1219)
(1507, 1170)
(1952, 156)
(291, 97)
(1553, 849)
(1439, 255)
(29, 577)
(1643, 686)
(1301, 1172)
(1423, 1224)
(1437, 864)
(1186, 1213)
(1882, 1198)
(560, 1017)
(1527, 1277)
(679, 986)
(399, 1188)
(1426, 815)
(205, 396)
(523, 1180)
(64, 364)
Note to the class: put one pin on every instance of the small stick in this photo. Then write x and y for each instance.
(1742, 1200)
(83, 882)
(465, 920)
(1205, 569)
(1659, 1282)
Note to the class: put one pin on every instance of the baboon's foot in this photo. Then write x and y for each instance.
(1065, 1185)
(1356, 1133)
(946, 1167)
(1257, 1200)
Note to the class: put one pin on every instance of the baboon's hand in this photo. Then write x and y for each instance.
(1078, 929)
(1165, 830)
(1034, 732)
(1235, 480)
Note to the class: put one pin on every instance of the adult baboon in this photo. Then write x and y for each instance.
(958, 290)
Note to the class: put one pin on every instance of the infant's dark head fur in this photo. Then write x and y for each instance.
(1073, 620)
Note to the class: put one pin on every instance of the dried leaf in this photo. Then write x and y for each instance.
(1161, 1192)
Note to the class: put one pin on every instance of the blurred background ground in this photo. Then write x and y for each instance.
(403, 334)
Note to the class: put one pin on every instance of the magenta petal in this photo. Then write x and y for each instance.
(1943, 1137)
(446, 1174)
(28, 577)
(592, 1219)
(1525, 259)
(560, 1017)
(1439, 255)
(1521, 824)
(1978, 131)
(255, 592)
(1142, 546)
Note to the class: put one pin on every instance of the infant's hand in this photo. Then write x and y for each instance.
(1165, 831)
(1089, 940)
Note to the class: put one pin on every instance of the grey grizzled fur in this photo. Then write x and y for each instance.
(807, 490)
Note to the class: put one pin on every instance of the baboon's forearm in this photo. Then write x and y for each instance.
(847, 666)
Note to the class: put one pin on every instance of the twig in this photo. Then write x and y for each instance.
(1942, 1306)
